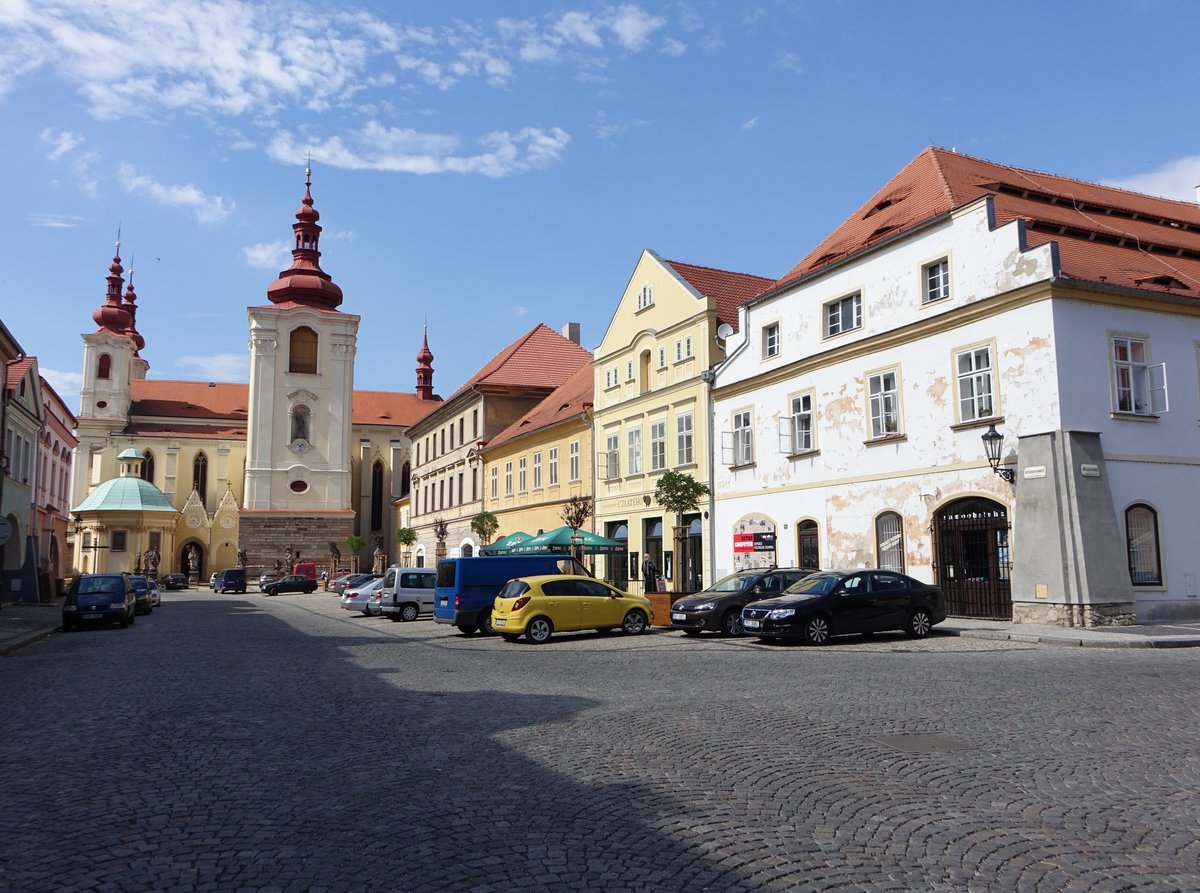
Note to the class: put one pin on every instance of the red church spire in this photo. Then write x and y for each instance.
(112, 315)
(425, 369)
(304, 282)
(131, 309)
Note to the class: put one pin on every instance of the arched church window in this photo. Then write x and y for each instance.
(200, 477)
(405, 479)
(377, 496)
(302, 352)
(104, 366)
(148, 467)
(301, 423)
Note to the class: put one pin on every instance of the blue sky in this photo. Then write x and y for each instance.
(484, 166)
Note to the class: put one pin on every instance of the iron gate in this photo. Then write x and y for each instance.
(972, 559)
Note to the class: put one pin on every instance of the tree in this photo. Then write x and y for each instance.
(486, 525)
(354, 542)
(576, 511)
(679, 493)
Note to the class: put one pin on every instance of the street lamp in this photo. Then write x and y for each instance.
(993, 442)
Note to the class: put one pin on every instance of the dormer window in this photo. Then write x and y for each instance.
(645, 297)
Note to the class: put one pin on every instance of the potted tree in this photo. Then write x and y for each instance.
(575, 514)
(679, 493)
(485, 526)
(440, 531)
(354, 542)
(405, 536)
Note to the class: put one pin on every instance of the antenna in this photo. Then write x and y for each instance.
(724, 330)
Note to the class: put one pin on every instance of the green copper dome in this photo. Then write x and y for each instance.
(127, 494)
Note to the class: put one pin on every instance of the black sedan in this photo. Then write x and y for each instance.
(831, 603)
(175, 581)
(290, 583)
(719, 608)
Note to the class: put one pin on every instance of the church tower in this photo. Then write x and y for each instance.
(108, 370)
(298, 438)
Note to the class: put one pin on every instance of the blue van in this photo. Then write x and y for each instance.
(467, 587)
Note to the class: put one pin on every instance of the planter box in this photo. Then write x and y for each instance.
(661, 602)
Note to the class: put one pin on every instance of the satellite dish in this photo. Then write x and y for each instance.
(724, 330)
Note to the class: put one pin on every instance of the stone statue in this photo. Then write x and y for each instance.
(151, 562)
(378, 566)
(290, 558)
(193, 559)
(335, 554)
(242, 557)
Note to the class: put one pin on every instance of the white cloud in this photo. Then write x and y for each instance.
(606, 129)
(633, 26)
(1176, 179)
(66, 384)
(346, 235)
(268, 255)
(60, 141)
(750, 124)
(218, 367)
(57, 221)
(578, 27)
(206, 208)
(376, 147)
(674, 48)
(520, 310)
(789, 62)
(63, 145)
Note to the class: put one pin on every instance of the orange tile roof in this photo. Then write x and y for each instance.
(1104, 234)
(538, 361)
(206, 432)
(15, 370)
(570, 400)
(730, 289)
(202, 400)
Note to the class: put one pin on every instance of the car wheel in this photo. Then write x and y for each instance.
(509, 637)
(731, 623)
(409, 612)
(539, 630)
(466, 630)
(485, 624)
(919, 624)
(634, 623)
(367, 611)
(816, 630)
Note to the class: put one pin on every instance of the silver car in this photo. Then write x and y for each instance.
(360, 599)
(407, 592)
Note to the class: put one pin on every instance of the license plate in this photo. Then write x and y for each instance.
(679, 616)
(752, 624)
(92, 616)
(498, 621)
(444, 602)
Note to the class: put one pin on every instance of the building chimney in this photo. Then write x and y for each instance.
(571, 331)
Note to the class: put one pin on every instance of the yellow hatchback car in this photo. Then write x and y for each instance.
(538, 607)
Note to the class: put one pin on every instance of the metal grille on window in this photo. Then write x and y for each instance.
(889, 538)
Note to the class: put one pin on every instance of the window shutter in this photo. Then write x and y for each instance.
(1158, 389)
(727, 453)
(786, 435)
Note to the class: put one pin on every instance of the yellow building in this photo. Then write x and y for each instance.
(536, 465)
(652, 411)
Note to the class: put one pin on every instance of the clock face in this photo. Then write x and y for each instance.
(299, 446)
(193, 521)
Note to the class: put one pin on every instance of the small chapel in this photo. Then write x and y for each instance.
(285, 467)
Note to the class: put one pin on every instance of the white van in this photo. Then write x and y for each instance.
(408, 592)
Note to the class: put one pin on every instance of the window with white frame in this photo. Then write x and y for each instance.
(843, 314)
(796, 431)
(662, 358)
(975, 384)
(552, 462)
(683, 439)
(658, 446)
(634, 437)
(738, 445)
(521, 479)
(495, 482)
(770, 340)
(1140, 388)
(508, 480)
(573, 459)
(629, 370)
(1141, 539)
(678, 351)
(937, 280)
(612, 449)
(537, 471)
(687, 347)
(885, 403)
(645, 297)
(889, 542)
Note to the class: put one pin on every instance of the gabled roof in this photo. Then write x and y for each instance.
(730, 289)
(538, 361)
(569, 400)
(16, 369)
(1105, 235)
(205, 401)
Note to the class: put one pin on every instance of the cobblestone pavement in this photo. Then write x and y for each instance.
(276, 744)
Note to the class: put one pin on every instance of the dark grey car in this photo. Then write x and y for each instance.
(719, 608)
(99, 599)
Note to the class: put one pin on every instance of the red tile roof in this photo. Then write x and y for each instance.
(1105, 235)
(568, 401)
(230, 401)
(540, 360)
(730, 289)
(15, 370)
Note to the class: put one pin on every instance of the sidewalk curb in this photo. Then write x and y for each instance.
(1072, 641)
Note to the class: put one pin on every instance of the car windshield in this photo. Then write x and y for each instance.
(817, 584)
(514, 589)
(97, 585)
(734, 583)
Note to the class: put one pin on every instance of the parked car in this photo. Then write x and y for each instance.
(719, 607)
(269, 577)
(155, 595)
(540, 606)
(175, 581)
(407, 592)
(141, 593)
(359, 598)
(99, 599)
(467, 587)
(832, 603)
(232, 579)
(212, 581)
(290, 583)
(343, 582)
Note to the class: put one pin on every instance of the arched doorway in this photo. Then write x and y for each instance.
(808, 544)
(972, 559)
(185, 561)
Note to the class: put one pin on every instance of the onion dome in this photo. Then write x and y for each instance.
(425, 369)
(131, 308)
(304, 282)
(112, 315)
